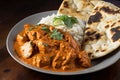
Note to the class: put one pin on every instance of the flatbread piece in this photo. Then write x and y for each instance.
(77, 8)
(102, 33)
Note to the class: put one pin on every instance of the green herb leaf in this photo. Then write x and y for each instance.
(45, 29)
(56, 35)
(68, 21)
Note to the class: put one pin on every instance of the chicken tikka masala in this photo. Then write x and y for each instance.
(46, 47)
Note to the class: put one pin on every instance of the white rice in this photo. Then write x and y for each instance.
(76, 31)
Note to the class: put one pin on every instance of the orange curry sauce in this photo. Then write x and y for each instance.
(45, 47)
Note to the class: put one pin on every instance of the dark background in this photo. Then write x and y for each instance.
(11, 12)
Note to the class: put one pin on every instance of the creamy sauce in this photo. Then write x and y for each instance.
(50, 57)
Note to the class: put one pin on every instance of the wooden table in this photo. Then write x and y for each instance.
(12, 12)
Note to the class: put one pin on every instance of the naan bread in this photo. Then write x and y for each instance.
(94, 2)
(77, 8)
(102, 34)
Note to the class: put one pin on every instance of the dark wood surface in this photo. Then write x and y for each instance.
(11, 12)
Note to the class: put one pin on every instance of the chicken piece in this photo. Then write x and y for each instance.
(64, 61)
(70, 57)
(69, 62)
(41, 61)
(57, 61)
(65, 58)
(45, 61)
(40, 45)
(26, 49)
(84, 59)
(34, 32)
(21, 39)
(36, 61)
(72, 41)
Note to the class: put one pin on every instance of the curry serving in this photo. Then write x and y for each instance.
(46, 47)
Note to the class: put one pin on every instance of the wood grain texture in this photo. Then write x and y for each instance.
(11, 12)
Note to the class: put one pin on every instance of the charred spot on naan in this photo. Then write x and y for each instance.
(109, 11)
(118, 20)
(66, 5)
(96, 8)
(107, 26)
(87, 28)
(97, 36)
(116, 33)
(92, 35)
(61, 10)
(103, 50)
(113, 24)
(95, 18)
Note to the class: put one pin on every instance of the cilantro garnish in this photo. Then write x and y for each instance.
(45, 29)
(56, 35)
(66, 20)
